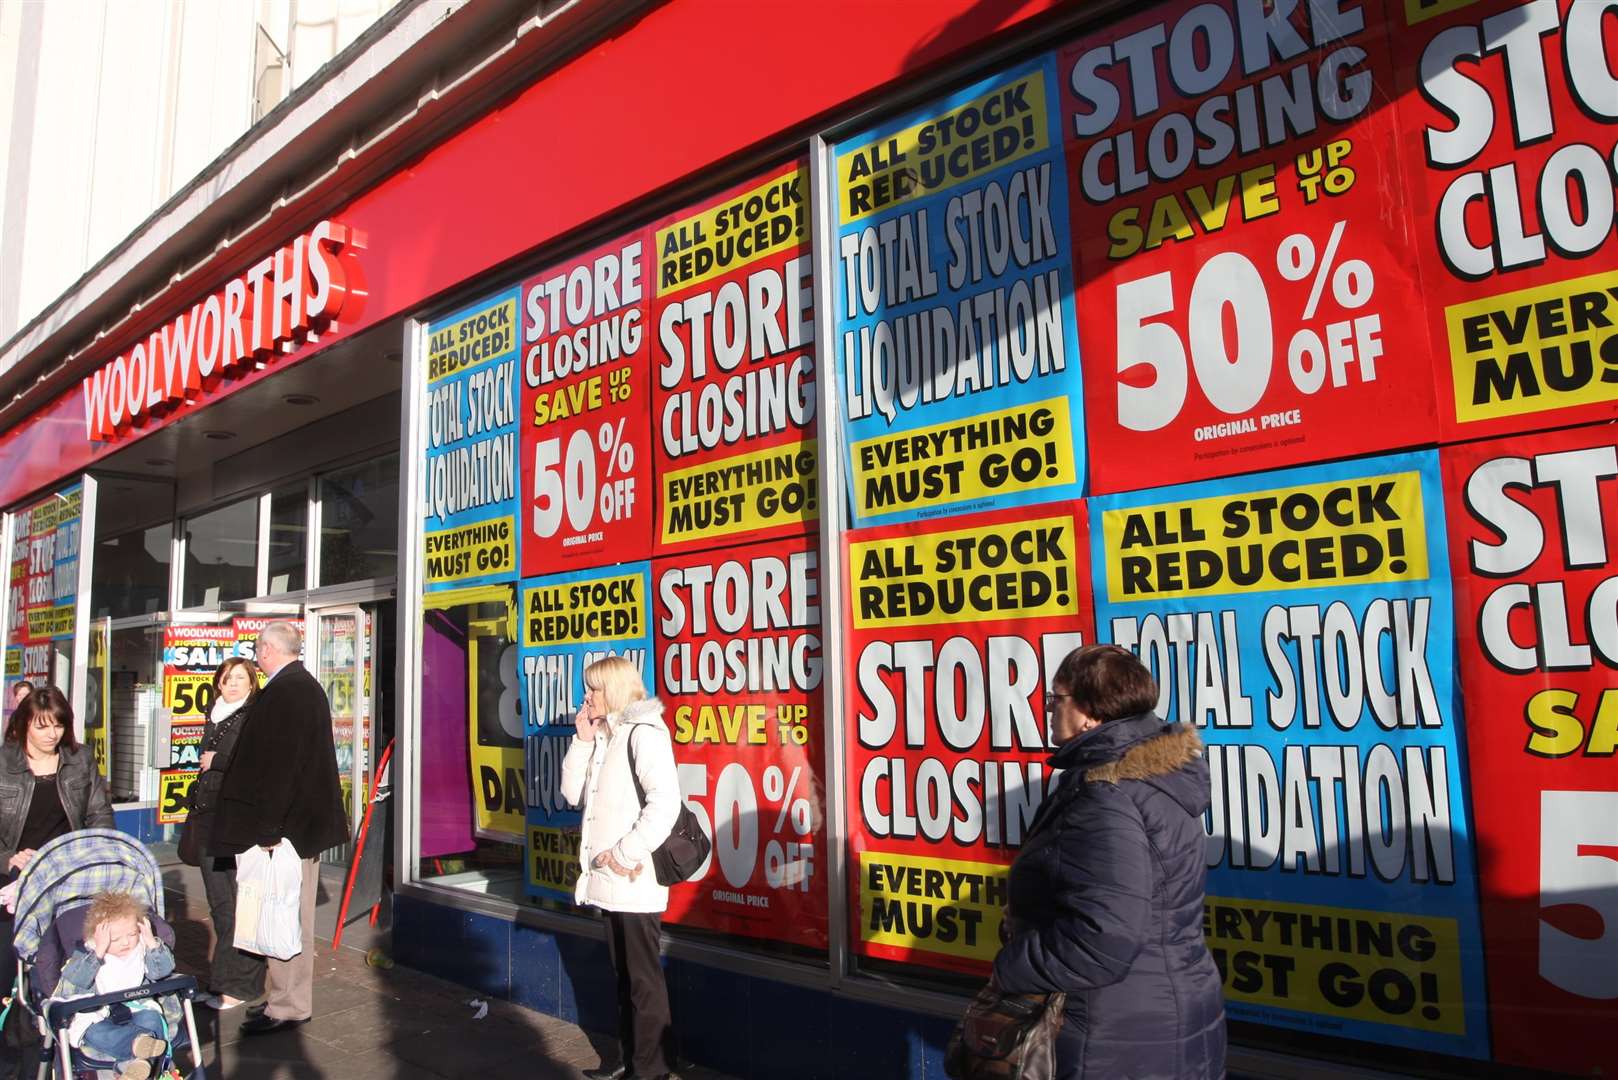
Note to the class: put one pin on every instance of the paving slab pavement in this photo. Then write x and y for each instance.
(378, 1024)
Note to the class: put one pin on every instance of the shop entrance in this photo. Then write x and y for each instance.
(349, 648)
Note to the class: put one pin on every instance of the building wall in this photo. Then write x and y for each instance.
(109, 107)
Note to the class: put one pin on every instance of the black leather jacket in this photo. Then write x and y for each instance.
(83, 792)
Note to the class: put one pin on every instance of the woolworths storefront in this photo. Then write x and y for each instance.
(846, 381)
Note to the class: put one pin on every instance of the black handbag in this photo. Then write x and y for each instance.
(683, 853)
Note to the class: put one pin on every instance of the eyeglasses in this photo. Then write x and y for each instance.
(1052, 697)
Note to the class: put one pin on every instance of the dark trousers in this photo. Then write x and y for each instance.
(643, 998)
(234, 973)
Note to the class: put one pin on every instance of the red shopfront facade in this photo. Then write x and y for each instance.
(1261, 302)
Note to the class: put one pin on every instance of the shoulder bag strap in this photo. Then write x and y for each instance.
(640, 792)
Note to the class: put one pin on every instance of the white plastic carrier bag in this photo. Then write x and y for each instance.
(269, 887)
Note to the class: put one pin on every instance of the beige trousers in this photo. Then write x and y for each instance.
(292, 982)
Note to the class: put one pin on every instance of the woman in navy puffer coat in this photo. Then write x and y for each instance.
(1106, 894)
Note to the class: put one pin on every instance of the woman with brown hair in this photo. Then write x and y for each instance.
(234, 976)
(1106, 895)
(48, 787)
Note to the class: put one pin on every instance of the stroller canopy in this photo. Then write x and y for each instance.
(71, 870)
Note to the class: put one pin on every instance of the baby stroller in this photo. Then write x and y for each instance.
(52, 897)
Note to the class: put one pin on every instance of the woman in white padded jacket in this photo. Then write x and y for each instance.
(617, 726)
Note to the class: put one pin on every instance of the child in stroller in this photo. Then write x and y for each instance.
(88, 906)
(118, 950)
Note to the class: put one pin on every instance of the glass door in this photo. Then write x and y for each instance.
(343, 658)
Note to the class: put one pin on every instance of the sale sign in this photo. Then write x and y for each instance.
(737, 457)
(191, 655)
(1243, 250)
(44, 583)
(1535, 531)
(469, 502)
(586, 418)
(495, 730)
(1510, 114)
(1302, 619)
(954, 630)
(738, 644)
(957, 358)
(568, 622)
(174, 795)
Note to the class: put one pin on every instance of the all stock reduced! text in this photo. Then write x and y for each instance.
(736, 382)
(1321, 676)
(469, 476)
(954, 629)
(954, 308)
(1239, 235)
(567, 622)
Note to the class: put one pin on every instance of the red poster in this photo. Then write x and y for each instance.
(739, 669)
(954, 628)
(1534, 528)
(734, 360)
(585, 478)
(1241, 242)
(1509, 115)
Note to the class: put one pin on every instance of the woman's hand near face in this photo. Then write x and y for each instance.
(584, 725)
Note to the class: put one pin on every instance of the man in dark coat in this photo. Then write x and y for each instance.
(282, 785)
(1106, 895)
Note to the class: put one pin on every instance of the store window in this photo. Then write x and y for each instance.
(130, 575)
(359, 522)
(221, 555)
(42, 602)
(288, 555)
(134, 541)
(133, 695)
(471, 749)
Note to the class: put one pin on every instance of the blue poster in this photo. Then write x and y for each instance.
(65, 571)
(568, 622)
(957, 350)
(1303, 620)
(469, 482)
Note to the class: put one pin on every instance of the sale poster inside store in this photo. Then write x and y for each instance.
(957, 357)
(1534, 535)
(469, 477)
(586, 410)
(954, 629)
(495, 727)
(1240, 238)
(1303, 621)
(44, 579)
(567, 622)
(734, 357)
(740, 664)
(191, 656)
(1509, 119)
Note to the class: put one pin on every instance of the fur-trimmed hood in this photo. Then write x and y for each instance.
(1176, 747)
(1145, 749)
(645, 711)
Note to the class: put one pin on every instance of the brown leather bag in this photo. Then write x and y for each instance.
(1006, 1037)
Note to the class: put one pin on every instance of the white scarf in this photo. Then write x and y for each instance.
(224, 710)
